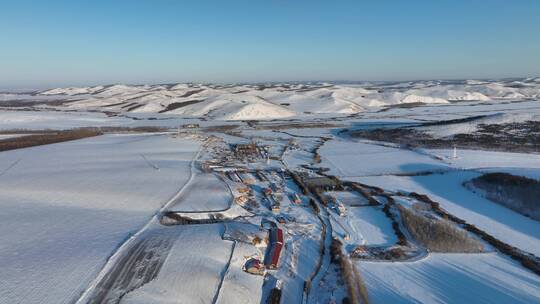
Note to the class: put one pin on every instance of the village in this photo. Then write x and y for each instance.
(281, 209)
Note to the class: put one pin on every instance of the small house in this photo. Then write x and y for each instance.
(267, 191)
(241, 200)
(295, 198)
(254, 266)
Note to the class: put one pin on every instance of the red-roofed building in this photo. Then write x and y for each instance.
(274, 251)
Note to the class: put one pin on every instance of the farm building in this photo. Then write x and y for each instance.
(295, 198)
(244, 190)
(244, 150)
(276, 235)
(273, 256)
(261, 176)
(247, 178)
(276, 201)
(254, 266)
(360, 251)
(233, 176)
(241, 200)
(275, 187)
(277, 197)
(274, 249)
(341, 209)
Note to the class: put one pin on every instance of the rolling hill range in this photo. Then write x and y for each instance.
(273, 101)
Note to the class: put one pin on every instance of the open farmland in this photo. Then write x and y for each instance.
(195, 273)
(450, 278)
(68, 206)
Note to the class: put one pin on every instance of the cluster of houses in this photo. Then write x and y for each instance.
(244, 196)
(274, 196)
(337, 206)
(240, 176)
(249, 151)
(273, 253)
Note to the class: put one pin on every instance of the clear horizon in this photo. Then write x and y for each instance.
(65, 43)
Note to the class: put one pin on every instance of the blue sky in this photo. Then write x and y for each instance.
(57, 43)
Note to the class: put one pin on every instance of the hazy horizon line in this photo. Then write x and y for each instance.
(22, 89)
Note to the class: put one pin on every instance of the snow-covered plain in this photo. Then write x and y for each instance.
(349, 159)
(65, 208)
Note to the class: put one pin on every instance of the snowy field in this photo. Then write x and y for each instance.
(349, 159)
(376, 165)
(192, 271)
(57, 120)
(476, 159)
(239, 286)
(503, 223)
(372, 225)
(29, 120)
(451, 278)
(206, 192)
(65, 208)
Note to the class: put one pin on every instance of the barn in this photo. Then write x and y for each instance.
(274, 250)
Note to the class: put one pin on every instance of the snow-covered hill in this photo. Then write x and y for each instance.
(270, 101)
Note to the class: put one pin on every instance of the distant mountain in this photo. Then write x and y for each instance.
(269, 101)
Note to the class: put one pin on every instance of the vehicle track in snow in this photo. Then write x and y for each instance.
(138, 266)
